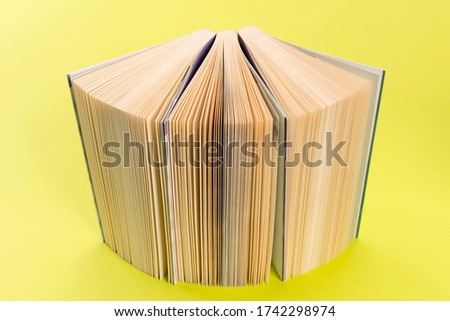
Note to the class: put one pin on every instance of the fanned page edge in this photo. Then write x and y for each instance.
(190, 73)
(373, 74)
(81, 72)
(85, 157)
(280, 219)
(278, 253)
(183, 85)
(376, 76)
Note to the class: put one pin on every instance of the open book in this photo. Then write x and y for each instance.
(216, 154)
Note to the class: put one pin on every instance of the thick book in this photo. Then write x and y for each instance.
(214, 155)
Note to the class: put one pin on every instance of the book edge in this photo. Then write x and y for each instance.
(85, 155)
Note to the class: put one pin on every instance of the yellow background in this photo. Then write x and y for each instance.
(50, 245)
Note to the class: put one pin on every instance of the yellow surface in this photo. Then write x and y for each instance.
(50, 246)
